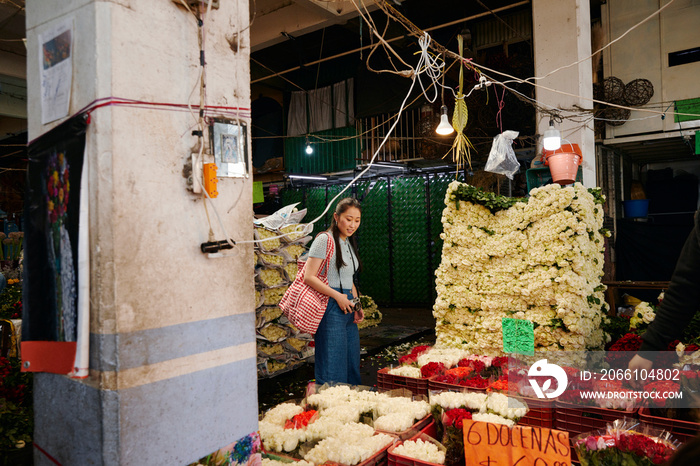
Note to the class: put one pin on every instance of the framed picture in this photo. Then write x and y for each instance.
(230, 140)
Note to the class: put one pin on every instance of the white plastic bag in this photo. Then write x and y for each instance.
(502, 157)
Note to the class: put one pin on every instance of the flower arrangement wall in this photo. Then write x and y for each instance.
(539, 259)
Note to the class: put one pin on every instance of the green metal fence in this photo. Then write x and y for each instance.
(399, 237)
(333, 150)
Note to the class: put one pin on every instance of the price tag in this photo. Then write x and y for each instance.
(518, 336)
(498, 445)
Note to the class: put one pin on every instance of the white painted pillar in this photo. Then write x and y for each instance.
(562, 36)
(172, 339)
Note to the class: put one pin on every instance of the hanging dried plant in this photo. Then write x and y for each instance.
(461, 147)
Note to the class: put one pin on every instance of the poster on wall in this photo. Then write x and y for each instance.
(51, 262)
(56, 70)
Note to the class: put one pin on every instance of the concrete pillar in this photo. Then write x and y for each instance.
(172, 339)
(561, 36)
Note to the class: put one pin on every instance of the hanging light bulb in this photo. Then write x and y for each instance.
(444, 128)
(309, 150)
(552, 138)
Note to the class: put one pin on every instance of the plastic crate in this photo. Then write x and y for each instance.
(537, 177)
(379, 458)
(682, 430)
(434, 385)
(386, 382)
(412, 431)
(577, 419)
(541, 413)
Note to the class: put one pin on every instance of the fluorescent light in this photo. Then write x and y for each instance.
(552, 138)
(307, 177)
(444, 128)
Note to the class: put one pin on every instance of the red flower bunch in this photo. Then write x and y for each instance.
(432, 368)
(301, 420)
(475, 364)
(500, 362)
(459, 372)
(407, 359)
(455, 417)
(448, 378)
(662, 387)
(629, 342)
(475, 382)
(16, 310)
(645, 447)
(418, 350)
(499, 385)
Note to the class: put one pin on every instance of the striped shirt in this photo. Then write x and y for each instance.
(335, 280)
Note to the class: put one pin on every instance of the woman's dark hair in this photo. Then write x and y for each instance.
(342, 206)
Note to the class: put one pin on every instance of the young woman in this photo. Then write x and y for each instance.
(337, 338)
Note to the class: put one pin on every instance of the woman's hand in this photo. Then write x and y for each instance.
(359, 316)
(637, 364)
(344, 303)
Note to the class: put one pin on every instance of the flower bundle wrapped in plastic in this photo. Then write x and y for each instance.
(625, 442)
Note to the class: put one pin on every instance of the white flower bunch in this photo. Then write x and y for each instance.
(399, 404)
(472, 401)
(407, 371)
(502, 405)
(643, 313)
(493, 419)
(281, 413)
(348, 450)
(421, 450)
(394, 422)
(277, 438)
(345, 412)
(447, 356)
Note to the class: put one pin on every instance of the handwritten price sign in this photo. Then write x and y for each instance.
(487, 444)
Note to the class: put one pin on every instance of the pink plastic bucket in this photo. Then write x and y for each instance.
(564, 167)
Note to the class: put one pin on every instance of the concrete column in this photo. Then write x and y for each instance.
(562, 36)
(172, 339)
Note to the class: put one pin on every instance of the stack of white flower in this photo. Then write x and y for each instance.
(271, 462)
(339, 410)
(540, 260)
(406, 371)
(494, 407)
(275, 270)
(420, 450)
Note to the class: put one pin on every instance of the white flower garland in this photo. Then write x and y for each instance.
(420, 450)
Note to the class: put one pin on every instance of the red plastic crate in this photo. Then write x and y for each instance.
(412, 431)
(540, 413)
(400, 460)
(430, 430)
(434, 385)
(386, 382)
(682, 430)
(577, 419)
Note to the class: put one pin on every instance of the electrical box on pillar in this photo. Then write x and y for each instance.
(229, 140)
